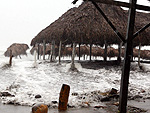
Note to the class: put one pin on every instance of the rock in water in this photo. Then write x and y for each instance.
(38, 96)
(6, 94)
(113, 91)
(40, 108)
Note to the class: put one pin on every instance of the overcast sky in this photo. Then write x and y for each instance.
(22, 20)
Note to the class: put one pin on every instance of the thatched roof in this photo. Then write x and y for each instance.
(17, 49)
(85, 25)
(141, 19)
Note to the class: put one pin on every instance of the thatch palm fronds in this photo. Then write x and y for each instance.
(141, 20)
(84, 25)
(17, 50)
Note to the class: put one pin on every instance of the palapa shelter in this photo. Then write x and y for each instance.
(85, 25)
(17, 50)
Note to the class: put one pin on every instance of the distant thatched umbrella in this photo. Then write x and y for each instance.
(17, 50)
(85, 25)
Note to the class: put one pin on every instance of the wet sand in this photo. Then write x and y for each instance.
(145, 104)
(25, 109)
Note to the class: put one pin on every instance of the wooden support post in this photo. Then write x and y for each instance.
(10, 60)
(60, 51)
(38, 51)
(90, 52)
(79, 51)
(119, 51)
(73, 56)
(127, 59)
(40, 108)
(35, 56)
(63, 97)
(139, 52)
(44, 49)
(105, 51)
(52, 51)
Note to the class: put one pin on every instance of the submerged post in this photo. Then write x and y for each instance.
(63, 97)
(10, 60)
(119, 51)
(52, 58)
(44, 49)
(38, 50)
(60, 51)
(127, 59)
(79, 51)
(73, 68)
(105, 51)
(90, 52)
(139, 54)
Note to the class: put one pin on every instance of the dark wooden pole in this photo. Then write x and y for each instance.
(51, 51)
(60, 51)
(10, 60)
(105, 51)
(141, 30)
(119, 51)
(44, 49)
(118, 3)
(38, 50)
(79, 51)
(127, 59)
(139, 52)
(90, 52)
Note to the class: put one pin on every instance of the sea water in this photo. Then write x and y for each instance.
(25, 81)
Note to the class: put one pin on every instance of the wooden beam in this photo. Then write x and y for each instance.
(123, 4)
(118, 3)
(141, 30)
(127, 59)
